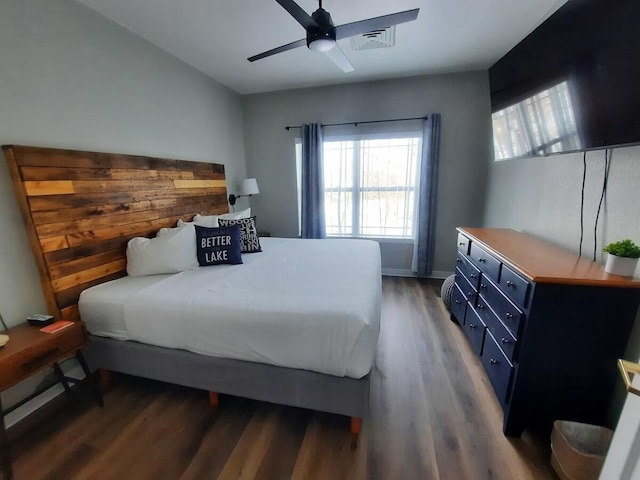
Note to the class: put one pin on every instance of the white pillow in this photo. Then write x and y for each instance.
(212, 220)
(171, 252)
(169, 232)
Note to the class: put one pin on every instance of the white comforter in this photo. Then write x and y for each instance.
(308, 304)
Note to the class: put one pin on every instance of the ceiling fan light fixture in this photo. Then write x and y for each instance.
(322, 44)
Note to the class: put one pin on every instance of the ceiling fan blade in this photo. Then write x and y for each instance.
(289, 46)
(339, 58)
(378, 23)
(302, 17)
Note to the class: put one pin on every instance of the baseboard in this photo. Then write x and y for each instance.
(403, 272)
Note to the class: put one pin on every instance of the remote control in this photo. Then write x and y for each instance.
(40, 320)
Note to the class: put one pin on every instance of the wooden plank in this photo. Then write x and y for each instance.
(56, 202)
(37, 173)
(53, 243)
(57, 187)
(69, 227)
(136, 229)
(84, 186)
(200, 183)
(86, 250)
(85, 276)
(70, 313)
(85, 263)
(70, 296)
(66, 214)
(49, 157)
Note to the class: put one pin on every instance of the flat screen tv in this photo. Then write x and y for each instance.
(573, 84)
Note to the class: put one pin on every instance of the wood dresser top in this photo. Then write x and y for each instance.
(544, 262)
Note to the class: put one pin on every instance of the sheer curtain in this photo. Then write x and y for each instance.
(313, 225)
(425, 228)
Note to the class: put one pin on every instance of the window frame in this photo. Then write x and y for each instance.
(356, 190)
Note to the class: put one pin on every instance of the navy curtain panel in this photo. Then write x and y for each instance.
(425, 242)
(312, 217)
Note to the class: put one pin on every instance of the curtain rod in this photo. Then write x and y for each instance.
(355, 124)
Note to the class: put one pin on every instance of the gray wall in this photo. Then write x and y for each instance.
(70, 78)
(463, 101)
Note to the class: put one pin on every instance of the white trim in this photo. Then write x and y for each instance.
(405, 272)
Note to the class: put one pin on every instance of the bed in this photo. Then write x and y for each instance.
(205, 328)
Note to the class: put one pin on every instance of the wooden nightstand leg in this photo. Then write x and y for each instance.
(90, 378)
(5, 454)
(61, 377)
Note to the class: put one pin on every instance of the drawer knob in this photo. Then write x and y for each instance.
(473, 275)
(462, 244)
(470, 294)
(455, 275)
(493, 361)
(480, 307)
(457, 260)
(481, 260)
(471, 325)
(458, 302)
(509, 316)
(482, 285)
(509, 283)
(504, 341)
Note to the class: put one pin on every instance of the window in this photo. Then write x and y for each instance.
(370, 184)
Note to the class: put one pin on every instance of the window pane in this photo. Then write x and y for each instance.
(338, 164)
(387, 182)
(338, 208)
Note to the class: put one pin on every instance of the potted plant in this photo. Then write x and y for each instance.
(623, 258)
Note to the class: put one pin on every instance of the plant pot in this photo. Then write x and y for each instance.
(623, 266)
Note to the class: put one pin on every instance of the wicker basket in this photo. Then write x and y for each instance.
(578, 450)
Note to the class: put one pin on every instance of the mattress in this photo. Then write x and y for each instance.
(307, 304)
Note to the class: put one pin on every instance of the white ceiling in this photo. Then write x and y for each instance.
(217, 36)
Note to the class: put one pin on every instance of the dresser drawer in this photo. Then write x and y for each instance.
(486, 262)
(514, 286)
(468, 269)
(507, 312)
(474, 329)
(468, 290)
(463, 244)
(497, 366)
(505, 339)
(458, 304)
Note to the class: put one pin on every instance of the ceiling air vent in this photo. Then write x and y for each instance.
(376, 39)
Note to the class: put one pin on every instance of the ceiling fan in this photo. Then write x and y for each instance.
(322, 33)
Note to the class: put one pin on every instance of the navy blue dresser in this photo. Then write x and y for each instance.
(547, 325)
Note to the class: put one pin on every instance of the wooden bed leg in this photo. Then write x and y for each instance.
(104, 378)
(213, 399)
(356, 425)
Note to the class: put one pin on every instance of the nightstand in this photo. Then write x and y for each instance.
(28, 351)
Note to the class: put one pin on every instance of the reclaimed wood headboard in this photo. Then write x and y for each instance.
(81, 209)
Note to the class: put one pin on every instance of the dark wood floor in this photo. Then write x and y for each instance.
(433, 416)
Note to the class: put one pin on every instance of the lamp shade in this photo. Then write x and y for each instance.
(249, 187)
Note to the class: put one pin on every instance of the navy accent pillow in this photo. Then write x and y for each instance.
(218, 245)
(249, 240)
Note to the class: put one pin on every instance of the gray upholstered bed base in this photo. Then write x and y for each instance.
(286, 386)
